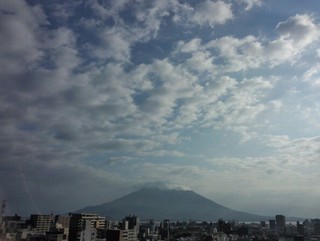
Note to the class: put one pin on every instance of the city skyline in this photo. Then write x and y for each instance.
(102, 98)
(91, 227)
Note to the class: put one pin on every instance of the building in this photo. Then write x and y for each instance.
(81, 223)
(88, 232)
(121, 235)
(149, 230)
(25, 234)
(272, 224)
(63, 220)
(165, 229)
(54, 236)
(41, 223)
(280, 221)
(129, 230)
(263, 224)
(131, 223)
(316, 228)
(10, 224)
(300, 228)
(62, 224)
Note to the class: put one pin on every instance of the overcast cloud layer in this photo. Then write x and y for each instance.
(100, 98)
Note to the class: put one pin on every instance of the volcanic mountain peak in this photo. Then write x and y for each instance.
(174, 204)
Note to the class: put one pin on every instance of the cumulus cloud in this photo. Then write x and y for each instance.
(211, 13)
(300, 29)
(295, 35)
(240, 54)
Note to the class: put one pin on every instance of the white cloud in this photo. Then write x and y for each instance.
(201, 62)
(212, 13)
(19, 41)
(295, 35)
(300, 29)
(298, 156)
(251, 3)
(242, 106)
(105, 10)
(172, 95)
(191, 46)
(116, 45)
(152, 18)
(240, 54)
(312, 75)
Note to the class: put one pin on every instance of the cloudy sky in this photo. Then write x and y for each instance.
(100, 98)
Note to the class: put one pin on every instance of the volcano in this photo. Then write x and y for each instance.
(178, 205)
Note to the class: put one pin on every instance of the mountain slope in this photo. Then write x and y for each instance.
(172, 204)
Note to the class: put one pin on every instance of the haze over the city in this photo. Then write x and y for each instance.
(101, 98)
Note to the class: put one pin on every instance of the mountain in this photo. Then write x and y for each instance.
(162, 204)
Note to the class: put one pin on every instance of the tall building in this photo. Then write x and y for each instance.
(165, 229)
(80, 223)
(280, 221)
(131, 223)
(63, 223)
(221, 225)
(272, 224)
(88, 232)
(41, 223)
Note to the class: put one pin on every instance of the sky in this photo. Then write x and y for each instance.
(101, 98)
